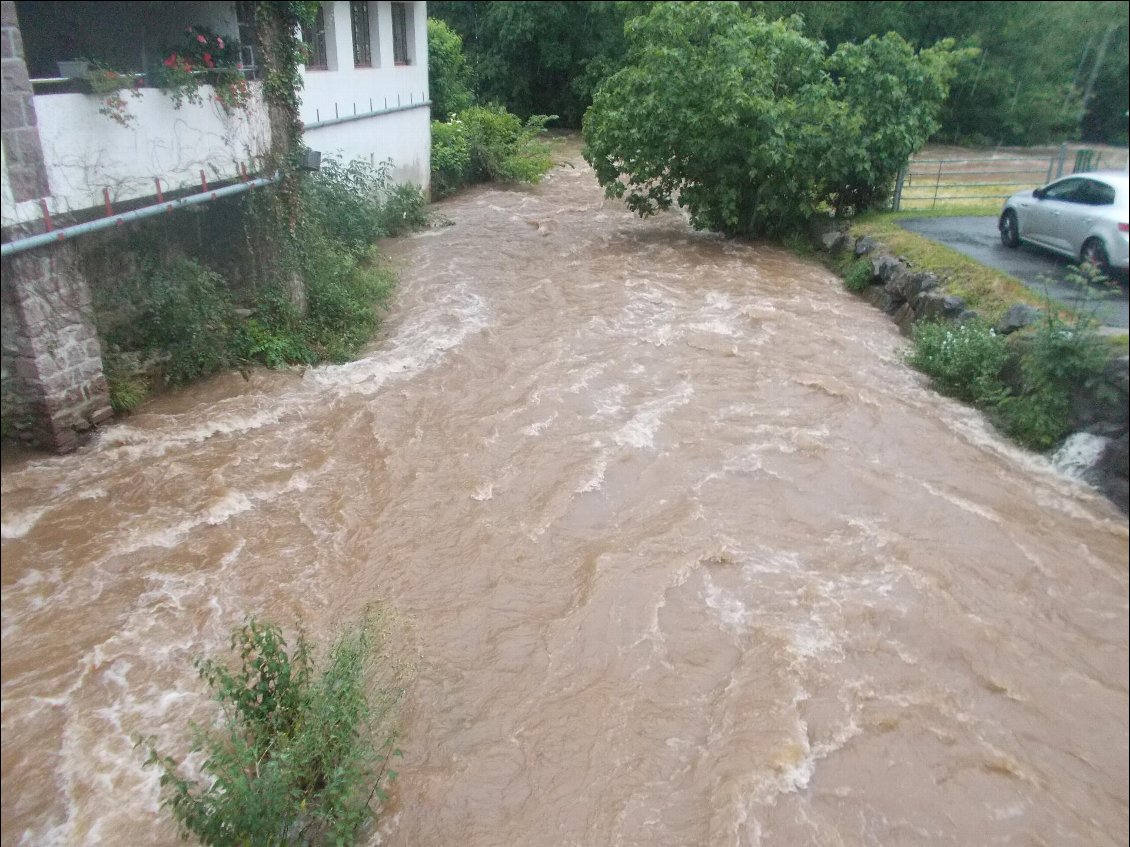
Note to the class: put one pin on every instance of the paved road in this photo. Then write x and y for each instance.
(978, 238)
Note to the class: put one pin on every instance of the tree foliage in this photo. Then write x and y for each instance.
(449, 74)
(1026, 86)
(751, 125)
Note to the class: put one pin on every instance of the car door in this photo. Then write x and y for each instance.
(1088, 203)
(1046, 220)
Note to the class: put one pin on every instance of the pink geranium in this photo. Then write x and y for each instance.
(202, 39)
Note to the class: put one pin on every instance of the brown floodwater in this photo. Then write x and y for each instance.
(684, 554)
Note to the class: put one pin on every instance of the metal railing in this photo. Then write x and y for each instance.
(930, 183)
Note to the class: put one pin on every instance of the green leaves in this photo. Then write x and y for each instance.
(751, 125)
(300, 756)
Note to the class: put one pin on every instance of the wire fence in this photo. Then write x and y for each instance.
(937, 183)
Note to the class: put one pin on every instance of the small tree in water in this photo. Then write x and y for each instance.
(299, 758)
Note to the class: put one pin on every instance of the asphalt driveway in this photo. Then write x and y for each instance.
(979, 239)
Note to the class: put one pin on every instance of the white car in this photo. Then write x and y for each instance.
(1085, 217)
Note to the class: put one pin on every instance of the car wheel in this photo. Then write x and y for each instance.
(1010, 229)
(1094, 253)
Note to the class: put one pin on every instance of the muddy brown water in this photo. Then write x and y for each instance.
(686, 555)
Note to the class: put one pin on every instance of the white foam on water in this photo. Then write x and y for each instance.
(20, 524)
(596, 480)
(418, 344)
(639, 431)
(963, 504)
(1078, 454)
(131, 443)
(219, 511)
(539, 427)
(734, 615)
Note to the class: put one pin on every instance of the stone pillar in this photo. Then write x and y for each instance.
(22, 150)
(52, 382)
(51, 347)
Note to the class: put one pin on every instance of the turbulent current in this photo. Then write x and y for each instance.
(685, 555)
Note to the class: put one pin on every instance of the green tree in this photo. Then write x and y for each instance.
(750, 125)
(449, 74)
(540, 58)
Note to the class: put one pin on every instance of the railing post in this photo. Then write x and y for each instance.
(937, 185)
(1062, 158)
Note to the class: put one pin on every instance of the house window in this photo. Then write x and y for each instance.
(402, 34)
(248, 34)
(315, 38)
(359, 21)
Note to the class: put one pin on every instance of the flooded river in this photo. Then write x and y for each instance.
(686, 555)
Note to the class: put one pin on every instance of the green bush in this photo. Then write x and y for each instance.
(964, 361)
(451, 157)
(300, 756)
(488, 144)
(176, 310)
(404, 208)
(750, 125)
(858, 276)
(342, 295)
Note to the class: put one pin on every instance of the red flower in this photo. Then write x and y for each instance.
(202, 39)
(188, 66)
(171, 62)
(208, 60)
(219, 42)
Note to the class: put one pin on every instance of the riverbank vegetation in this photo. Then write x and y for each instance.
(171, 319)
(1041, 73)
(474, 143)
(299, 756)
(1034, 382)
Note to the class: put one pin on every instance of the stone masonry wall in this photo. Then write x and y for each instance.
(53, 359)
(51, 379)
(22, 150)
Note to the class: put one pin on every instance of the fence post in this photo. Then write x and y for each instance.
(896, 203)
(1062, 158)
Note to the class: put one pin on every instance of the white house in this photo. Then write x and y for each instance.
(76, 157)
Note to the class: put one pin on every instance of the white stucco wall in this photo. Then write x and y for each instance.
(403, 135)
(85, 151)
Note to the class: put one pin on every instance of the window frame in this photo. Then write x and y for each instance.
(402, 26)
(361, 31)
(317, 46)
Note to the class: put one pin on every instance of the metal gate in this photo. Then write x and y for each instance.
(934, 183)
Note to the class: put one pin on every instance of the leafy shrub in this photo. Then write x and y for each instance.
(858, 276)
(488, 144)
(964, 361)
(449, 75)
(451, 156)
(404, 208)
(300, 756)
(1037, 420)
(176, 309)
(750, 125)
(344, 200)
(342, 295)
(503, 149)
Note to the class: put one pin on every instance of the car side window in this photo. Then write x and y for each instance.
(1065, 191)
(1096, 193)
